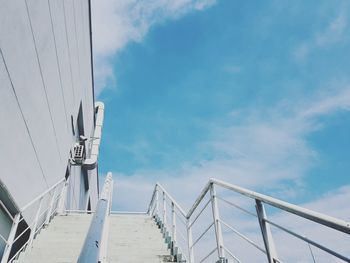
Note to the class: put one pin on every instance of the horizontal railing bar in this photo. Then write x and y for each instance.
(236, 206)
(4, 239)
(211, 252)
(172, 200)
(21, 234)
(309, 241)
(152, 199)
(329, 221)
(22, 218)
(19, 251)
(232, 255)
(198, 215)
(31, 225)
(6, 210)
(198, 200)
(46, 209)
(152, 213)
(205, 231)
(42, 195)
(243, 236)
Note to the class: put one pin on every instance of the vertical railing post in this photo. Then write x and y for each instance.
(36, 219)
(111, 197)
(157, 201)
(173, 222)
(48, 216)
(266, 233)
(164, 210)
(61, 204)
(217, 225)
(10, 239)
(190, 242)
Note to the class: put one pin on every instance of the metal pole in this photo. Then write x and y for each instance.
(48, 216)
(10, 239)
(217, 224)
(157, 202)
(61, 204)
(164, 209)
(36, 219)
(266, 233)
(111, 197)
(173, 222)
(190, 242)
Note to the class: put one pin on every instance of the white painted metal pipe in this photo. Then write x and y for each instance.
(164, 209)
(326, 220)
(11, 238)
(190, 242)
(217, 223)
(183, 213)
(91, 162)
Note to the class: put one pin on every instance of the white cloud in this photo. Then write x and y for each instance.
(333, 203)
(234, 69)
(119, 22)
(263, 150)
(267, 150)
(334, 33)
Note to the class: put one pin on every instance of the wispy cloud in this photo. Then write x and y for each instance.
(117, 23)
(261, 149)
(266, 150)
(233, 69)
(335, 32)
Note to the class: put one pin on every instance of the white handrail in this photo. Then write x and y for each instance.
(323, 219)
(190, 217)
(41, 195)
(182, 211)
(33, 226)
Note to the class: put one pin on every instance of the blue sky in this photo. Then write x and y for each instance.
(253, 92)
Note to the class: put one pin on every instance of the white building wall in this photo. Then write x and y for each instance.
(45, 74)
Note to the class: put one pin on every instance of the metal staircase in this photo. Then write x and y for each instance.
(167, 233)
(139, 233)
(60, 242)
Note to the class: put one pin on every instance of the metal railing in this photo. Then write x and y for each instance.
(90, 252)
(33, 216)
(164, 207)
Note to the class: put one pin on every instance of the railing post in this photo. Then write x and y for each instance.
(36, 219)
(173, 222)
(10, 239)
(110, 199)
(190, 242)
(61, 204)
(48, 216)
(157, 201)
(217, 225)
(164, 210)
(266, 233)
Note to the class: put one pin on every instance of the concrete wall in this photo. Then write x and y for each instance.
(45, 75)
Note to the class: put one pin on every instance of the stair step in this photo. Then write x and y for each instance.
(131, 239)
(60, 242)
(138, 234)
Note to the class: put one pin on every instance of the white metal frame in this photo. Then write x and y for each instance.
(158, 209)
(43, 215)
